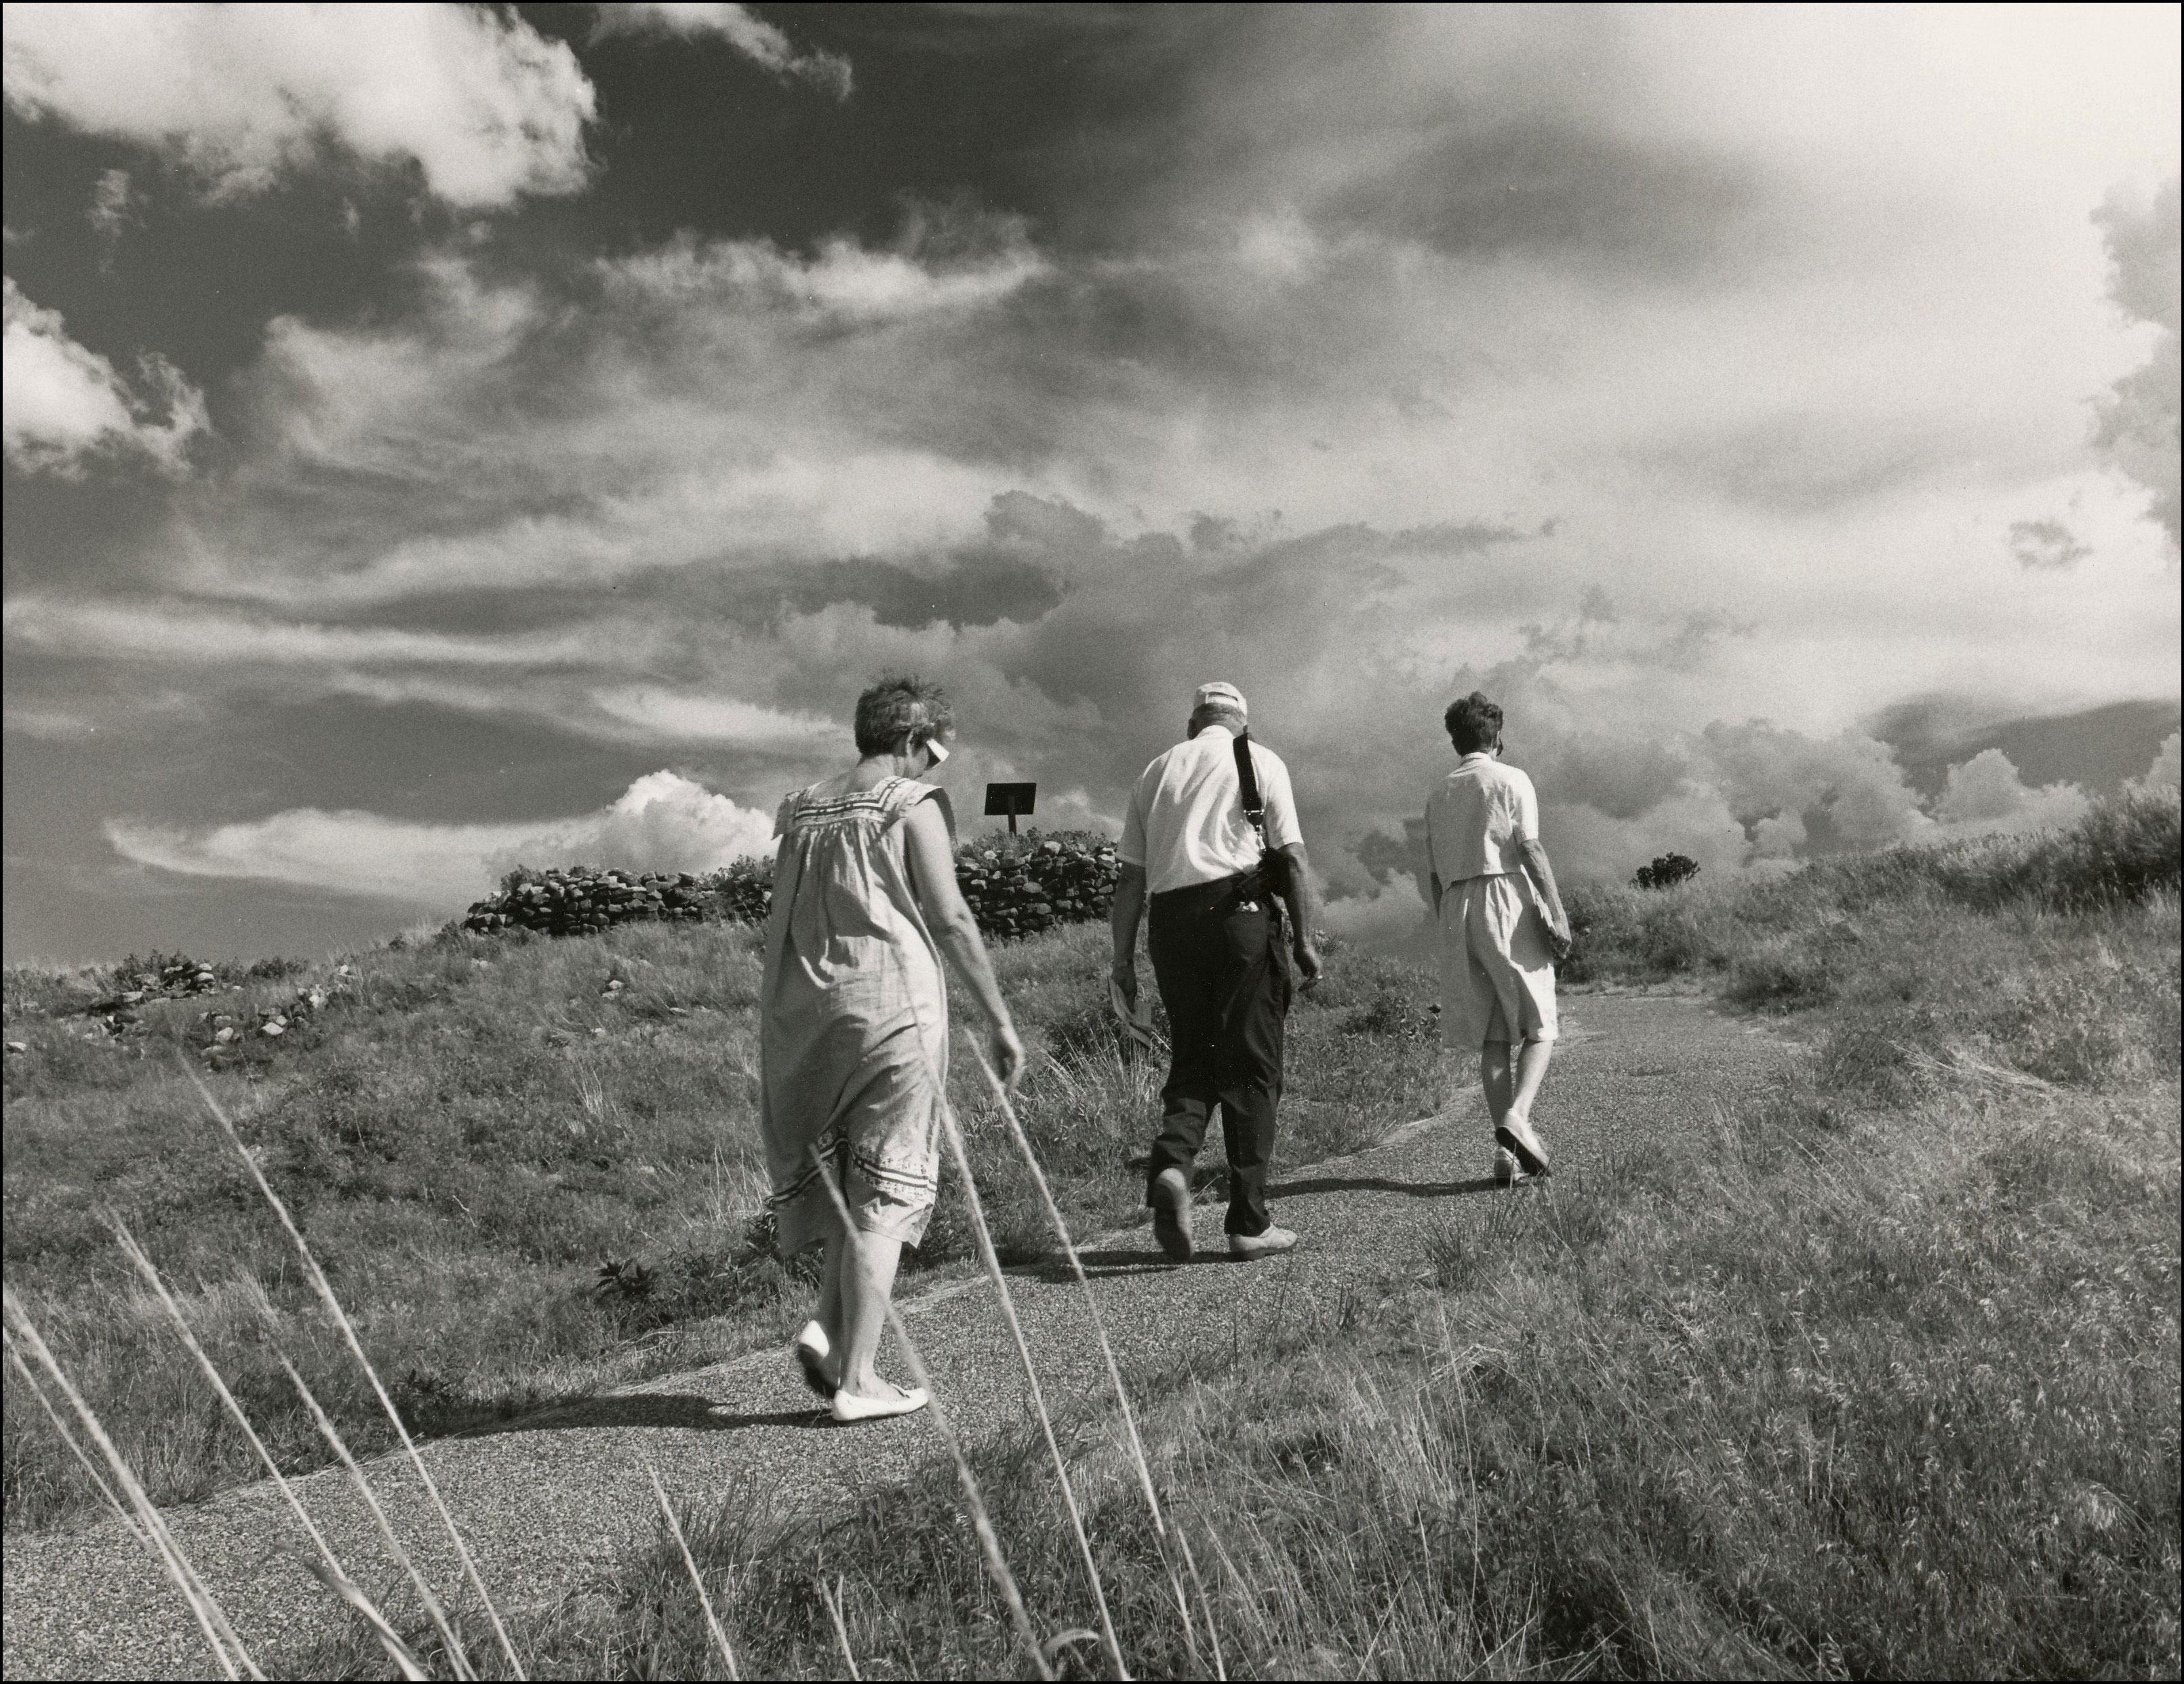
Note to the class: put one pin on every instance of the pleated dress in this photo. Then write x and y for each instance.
(853, 1039)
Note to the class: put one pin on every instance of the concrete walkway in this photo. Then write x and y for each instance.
(550, 1502)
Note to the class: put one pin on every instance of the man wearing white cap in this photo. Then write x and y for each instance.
(1211, 836)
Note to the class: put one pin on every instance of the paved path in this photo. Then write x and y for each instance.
(550, 1502)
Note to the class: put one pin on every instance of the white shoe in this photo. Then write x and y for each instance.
(1506, 1171)
(848, 1406)
(1266, 1243)
(811, 1350)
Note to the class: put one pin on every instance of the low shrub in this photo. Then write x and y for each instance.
(1018, 885)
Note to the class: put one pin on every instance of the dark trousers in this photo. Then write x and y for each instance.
(1225, 982)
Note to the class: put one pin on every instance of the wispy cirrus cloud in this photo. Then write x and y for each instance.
(170, 632)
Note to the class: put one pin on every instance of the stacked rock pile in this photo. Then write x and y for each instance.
(1015, 891)
(1014, 888)
(581, 899)
(164, 977)
(231, 1035)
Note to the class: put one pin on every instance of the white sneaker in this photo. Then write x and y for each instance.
(1266, 1243)
(1506, 1171)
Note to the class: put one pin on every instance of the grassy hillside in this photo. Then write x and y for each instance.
(531, 1166)
(1877, 1375)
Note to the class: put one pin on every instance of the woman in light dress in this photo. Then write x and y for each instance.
(853, 1028)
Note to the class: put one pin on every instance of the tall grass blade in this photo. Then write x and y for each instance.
(346, 1589)
(227, 1647)
(990, 1544)
(833, 1600)
(325, 1293)
(332, 1573)
(458, 1657)
(75, 1448)
(993, 1265)
(697, 1583)
(1138, 1457)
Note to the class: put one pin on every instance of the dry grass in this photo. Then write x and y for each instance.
(469, 1133)
(1882, 1378)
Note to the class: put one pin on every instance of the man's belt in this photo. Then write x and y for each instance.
(1255, 885)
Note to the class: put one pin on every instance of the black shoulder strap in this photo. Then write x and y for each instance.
(1247, 787)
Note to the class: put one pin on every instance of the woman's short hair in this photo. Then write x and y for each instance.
(895, 708)
(1474, 723)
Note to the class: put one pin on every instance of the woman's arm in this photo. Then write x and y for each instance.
(1542, 874)
(954, 926)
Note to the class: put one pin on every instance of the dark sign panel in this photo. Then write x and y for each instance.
(1011, 801)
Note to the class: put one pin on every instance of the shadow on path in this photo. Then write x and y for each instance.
(1375, 1183)
(684, 1409)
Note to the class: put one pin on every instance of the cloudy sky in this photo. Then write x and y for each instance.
(439, 436)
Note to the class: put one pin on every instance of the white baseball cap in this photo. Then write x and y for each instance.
(1218, 694)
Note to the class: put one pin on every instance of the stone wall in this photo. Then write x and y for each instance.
(1014, 886)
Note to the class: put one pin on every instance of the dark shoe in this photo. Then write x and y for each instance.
(1269, 1241)
(1170, 1198)
(1525, 1148)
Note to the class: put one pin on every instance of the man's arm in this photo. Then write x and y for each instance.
(1122, 918)
(1542, 874)
(1305, 909)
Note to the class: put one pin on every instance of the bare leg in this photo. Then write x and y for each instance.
(1531, 1071)
(1494, 1077)
(864, 1299)
(828, 1314)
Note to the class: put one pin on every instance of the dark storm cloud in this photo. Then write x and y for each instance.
(2046, 544)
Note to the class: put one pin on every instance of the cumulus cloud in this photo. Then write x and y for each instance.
(2167, 771)
(753, 36)
(482, 104)
(2138, 429)
(1987, 794)
(66, 404)
(663, 822)
(1232, 415)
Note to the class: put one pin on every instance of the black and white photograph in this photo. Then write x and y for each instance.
(1092, 840)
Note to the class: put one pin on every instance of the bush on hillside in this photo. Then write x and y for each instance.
(1667, 871)
(1015, 886)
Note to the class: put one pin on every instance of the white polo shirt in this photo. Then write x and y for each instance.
(1186, 823)
(1478, 820)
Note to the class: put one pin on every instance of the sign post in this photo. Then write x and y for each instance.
(1011, 799)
